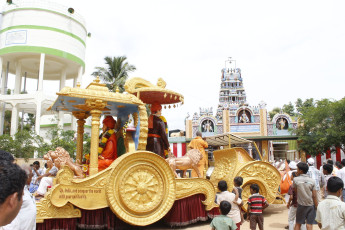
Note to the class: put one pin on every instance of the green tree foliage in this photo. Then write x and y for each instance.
(302, 106)
(115, 73)
(337, 130)
(86, 144)
(7, 122)
(274, 111)
(289, 109)
(321, 126)
(23, 145)
(26, 143)
(62, 138)
(6, 143)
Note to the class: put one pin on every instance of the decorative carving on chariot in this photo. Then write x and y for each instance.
(233, 162)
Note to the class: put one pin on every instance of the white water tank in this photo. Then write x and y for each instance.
(32, 27)
(42, 40)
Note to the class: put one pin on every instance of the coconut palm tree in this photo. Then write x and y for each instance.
(115, 73)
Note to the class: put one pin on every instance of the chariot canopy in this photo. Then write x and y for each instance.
(150, 93)
(228, 139)
(225, 139)
(96, 100)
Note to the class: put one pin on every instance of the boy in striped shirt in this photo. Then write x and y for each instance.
(256, 204)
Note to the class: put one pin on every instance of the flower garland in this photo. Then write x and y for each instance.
(103, 140)
(166, 153)
(125, 127)
(166, 124)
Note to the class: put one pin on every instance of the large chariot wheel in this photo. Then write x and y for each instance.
(141, 188)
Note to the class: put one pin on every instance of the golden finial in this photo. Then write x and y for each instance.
(97, 80)
(78, 84)
(117, 90)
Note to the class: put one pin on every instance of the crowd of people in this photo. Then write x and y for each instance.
(313, 196)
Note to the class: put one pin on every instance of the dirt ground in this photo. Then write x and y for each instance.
(275, 217)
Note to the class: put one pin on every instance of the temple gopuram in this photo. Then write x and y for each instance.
(270, 138)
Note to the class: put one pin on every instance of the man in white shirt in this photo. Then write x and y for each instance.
(315, 174)
(330, 214)
(36, 172)
(26, 218)
(341, 175)
(47, 178)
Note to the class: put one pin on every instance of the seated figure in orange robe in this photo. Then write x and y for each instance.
(107, 150)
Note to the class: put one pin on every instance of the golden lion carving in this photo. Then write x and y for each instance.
(189, 161)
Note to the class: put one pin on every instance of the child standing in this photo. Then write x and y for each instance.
(256, 204)
(223, 222)
(238, 181)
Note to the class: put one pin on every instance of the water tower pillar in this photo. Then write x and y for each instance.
(18, 80)
(80, 74)
(14, 119)
(2, 71)
(41, 73)
(62, 85)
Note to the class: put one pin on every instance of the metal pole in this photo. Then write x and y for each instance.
(229, 136)
(257, 149)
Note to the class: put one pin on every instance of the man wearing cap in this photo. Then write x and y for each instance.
(107, 150)
(316, 175)
(157, 140)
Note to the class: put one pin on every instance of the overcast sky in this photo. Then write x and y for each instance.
(285, 49)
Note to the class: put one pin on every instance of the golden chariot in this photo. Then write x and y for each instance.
(139, 186)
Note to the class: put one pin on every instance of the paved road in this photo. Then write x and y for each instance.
(275, 217)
